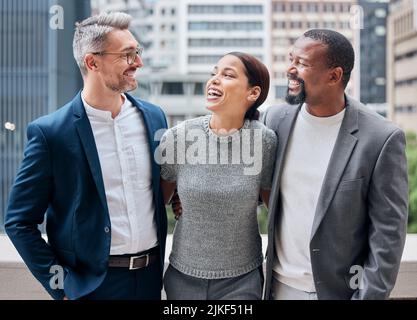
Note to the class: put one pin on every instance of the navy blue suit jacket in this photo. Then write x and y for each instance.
(60, 175)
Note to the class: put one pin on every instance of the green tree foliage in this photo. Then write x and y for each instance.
(263, 219)
(171, 219)
(411, 151)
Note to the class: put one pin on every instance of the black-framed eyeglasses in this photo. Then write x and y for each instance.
(130, 55)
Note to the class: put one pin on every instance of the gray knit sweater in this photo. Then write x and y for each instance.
(217, 234)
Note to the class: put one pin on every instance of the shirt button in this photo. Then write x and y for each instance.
(106, 229)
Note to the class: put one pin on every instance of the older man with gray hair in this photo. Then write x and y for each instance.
(88, 168)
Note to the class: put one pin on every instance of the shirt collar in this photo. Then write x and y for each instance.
(103, 114)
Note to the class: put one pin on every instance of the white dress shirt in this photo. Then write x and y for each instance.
(124, 155)
(307, 157)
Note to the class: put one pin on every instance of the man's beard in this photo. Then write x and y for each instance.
(121, 86)
(298, 98)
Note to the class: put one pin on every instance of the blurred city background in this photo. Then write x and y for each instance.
(183, 39)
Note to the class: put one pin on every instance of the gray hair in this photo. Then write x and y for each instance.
(90, 34)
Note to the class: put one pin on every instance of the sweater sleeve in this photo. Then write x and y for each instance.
(270, 142)
(166, 158)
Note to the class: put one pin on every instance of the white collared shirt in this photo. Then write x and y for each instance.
(124, 155)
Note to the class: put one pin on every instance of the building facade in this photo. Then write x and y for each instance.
(373, 48)
(402, 64)
(37, 72)
(290, 19)
(155, 25)
(184, 39)
(209, 29)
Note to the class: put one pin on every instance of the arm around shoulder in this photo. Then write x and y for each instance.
(268, 164)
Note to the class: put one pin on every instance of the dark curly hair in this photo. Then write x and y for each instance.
(339, 50)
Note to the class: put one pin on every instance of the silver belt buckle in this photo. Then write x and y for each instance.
(132, 260)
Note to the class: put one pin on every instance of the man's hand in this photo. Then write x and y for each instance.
(176, 205)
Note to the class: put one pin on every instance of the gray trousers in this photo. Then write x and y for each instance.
(179, 286)
(281, 291)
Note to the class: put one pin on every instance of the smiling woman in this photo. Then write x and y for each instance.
(217, 250)
(243, 71)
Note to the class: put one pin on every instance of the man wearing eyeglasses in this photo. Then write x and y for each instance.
(89, 168)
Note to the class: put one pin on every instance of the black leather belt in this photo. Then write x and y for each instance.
(133, 262)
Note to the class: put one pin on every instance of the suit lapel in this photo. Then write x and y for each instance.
(85, 133)
(283, 130)
(344, 146)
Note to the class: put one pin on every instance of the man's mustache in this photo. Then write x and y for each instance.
(293, 77)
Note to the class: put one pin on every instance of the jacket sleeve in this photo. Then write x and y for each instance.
(263, 117)
(388, 211)
(28, 202)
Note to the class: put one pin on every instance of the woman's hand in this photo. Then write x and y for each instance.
(176, 205)
(168, 189)
(265, 197)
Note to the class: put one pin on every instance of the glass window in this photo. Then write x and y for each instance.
(199, 89)
(312, 7)
(295, 7)
(225, 9)
(278, 7)
(380, 13)
(234, 42)
(172, 88)
(225, 26)
(380, 31)
(379, 81)
(203, 59)
(279, 24)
